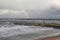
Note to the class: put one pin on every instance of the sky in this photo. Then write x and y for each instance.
(23, 4)
(28, 4)
(7, 5)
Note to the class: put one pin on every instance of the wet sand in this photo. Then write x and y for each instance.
(51, 38)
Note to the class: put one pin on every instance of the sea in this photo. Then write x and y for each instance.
(11, 31)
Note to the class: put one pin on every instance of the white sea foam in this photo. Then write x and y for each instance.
(6, 30)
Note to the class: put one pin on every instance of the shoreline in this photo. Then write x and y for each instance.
(49, 37)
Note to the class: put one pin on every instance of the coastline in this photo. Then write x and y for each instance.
(49, 37)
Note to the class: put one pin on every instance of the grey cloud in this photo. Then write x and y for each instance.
(52, 12)
(24, 4)
(45, 12)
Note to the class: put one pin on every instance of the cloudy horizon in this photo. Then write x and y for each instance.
(42, 8)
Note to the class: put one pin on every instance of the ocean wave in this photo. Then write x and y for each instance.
(10, 30)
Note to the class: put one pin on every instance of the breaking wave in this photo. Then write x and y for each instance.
(10, 29)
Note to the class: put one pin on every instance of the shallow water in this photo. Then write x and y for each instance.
(9, 31)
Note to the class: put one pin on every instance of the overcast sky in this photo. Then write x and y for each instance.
(25, 4)
(28, 4)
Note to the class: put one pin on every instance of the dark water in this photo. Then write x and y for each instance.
(10, 31)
